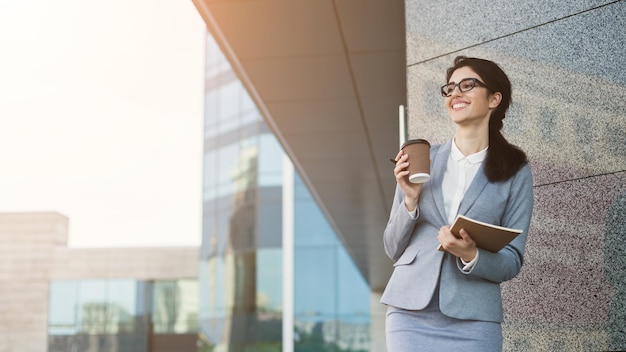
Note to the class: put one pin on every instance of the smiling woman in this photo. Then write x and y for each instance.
(456, 303)
(102, 117)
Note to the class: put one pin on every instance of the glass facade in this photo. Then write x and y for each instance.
(241, 244)
(122, 315)
(241, 269)
(331, 298)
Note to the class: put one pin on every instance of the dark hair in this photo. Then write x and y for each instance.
(503, 158)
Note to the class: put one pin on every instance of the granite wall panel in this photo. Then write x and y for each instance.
(435, 28)
(567, 65)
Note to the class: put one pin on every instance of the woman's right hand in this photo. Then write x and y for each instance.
(411, 190)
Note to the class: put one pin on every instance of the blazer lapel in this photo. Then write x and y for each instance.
(440, 162)
(473, 191)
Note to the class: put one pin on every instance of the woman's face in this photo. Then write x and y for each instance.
(472, 107)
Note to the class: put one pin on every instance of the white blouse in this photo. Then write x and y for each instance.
(460, 171)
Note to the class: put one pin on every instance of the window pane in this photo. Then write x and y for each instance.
(210, 175)
(121, 297)
(353, 293)
(187, 317)
(210, 113)
(228, 161)
(315, 268)
(92, 307)
(270, 226)
(164, 306)
(175, 306)
(270, 161)
(311, 226)
(228, 103)
(270, 281)
(62, 308)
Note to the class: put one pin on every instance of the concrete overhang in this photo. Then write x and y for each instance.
(328, 77)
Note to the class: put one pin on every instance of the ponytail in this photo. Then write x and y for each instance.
(503, 158)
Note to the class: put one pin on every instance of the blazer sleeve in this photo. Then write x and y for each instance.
(507, 263)
(397, 234)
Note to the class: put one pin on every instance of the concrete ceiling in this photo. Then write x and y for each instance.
(328, 76)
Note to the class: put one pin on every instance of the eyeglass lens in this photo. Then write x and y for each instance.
(465, 85)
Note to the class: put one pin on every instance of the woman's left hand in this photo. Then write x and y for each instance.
(464, 247)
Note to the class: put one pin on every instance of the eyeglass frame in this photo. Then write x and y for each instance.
(475, 82)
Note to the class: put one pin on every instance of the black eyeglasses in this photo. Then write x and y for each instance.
(465, 85)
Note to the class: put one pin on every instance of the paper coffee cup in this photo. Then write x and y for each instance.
(419, 159)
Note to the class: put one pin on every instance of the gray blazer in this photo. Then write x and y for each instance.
(419, 267)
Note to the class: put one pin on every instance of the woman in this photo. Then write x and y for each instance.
(450, 300)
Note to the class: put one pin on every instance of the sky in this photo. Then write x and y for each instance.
(101, 118)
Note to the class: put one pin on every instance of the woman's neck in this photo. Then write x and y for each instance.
(471, 141)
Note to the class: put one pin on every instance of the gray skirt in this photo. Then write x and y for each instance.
(430, 330)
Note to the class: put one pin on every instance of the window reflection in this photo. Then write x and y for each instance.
(337, 317)
(92, 307)
(269, 296)
(175, 306)
(113, 315)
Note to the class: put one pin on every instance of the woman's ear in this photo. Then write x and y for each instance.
(495, 99)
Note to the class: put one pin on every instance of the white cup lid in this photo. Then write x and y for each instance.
(419, 178)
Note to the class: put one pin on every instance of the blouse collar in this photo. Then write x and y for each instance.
(475, 158)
